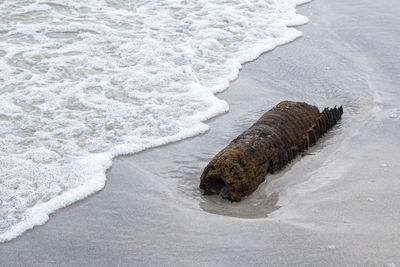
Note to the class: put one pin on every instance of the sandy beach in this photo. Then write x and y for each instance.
(340, 206)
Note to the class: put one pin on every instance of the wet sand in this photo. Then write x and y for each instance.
(337, 207)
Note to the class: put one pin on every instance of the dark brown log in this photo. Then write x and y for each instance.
(267, 146)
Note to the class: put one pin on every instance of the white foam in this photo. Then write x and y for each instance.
(85, 81)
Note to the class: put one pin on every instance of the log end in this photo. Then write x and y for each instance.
(214, 180)
(225, 175)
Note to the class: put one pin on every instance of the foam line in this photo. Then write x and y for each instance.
(85, 81)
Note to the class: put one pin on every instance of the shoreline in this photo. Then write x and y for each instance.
(101, 162)
(337, 207)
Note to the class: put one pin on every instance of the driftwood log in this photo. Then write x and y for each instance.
(267, 146)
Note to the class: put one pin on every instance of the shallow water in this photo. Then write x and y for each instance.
(84, 81)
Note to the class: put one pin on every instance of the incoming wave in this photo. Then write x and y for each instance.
(85, 81)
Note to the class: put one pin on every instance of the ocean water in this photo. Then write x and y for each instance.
(84, 81)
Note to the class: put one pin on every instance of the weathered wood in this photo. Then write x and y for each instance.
(267, 146)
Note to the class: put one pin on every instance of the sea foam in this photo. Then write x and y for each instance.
(84, 81)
